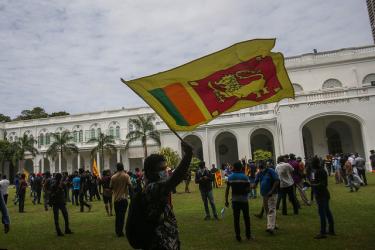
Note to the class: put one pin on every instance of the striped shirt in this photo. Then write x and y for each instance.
(240, 185)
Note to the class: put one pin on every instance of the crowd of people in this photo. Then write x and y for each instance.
(150, 192)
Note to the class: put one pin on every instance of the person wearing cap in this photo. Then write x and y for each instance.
(240, 185)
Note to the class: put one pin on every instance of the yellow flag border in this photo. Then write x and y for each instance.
(142, 86)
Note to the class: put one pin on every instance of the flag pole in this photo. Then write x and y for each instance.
(178, 136)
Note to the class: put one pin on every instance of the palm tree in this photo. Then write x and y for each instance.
(61, 144)
(144, 130)
(20, 147)
(104, 143)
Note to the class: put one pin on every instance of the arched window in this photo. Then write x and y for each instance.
(48, 139)
(297, 88)
(10, 138)
(332, 83)
(92, 133)
(81, 136)
(118, 132)
(369, 80)
(111, 132)
(98, 132)
(75, 136)
(41, 139)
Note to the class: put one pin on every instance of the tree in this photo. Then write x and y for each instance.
(144, 130)
(261, 154)
(4, 118)
(61, 144)
(194, 164)
(60, 113)
(104, 143)
(35, 113)
(171, 156)
(21, 146)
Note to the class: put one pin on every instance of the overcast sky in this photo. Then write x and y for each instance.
(70, 55)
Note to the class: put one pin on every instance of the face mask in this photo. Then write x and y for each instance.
(163, 175)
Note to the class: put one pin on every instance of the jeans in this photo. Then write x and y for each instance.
(75, 197)
(325, 215)
(291, 195)
(208, 196)
(120, 211)
(362, 175)
(269, 204)
(21, 204)
(5, 196)
(237, 208)
(64, 211)
(82, 202)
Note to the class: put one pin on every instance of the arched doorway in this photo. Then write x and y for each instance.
(112, 162)
(29, 165)
(196, 143)
(262, 139)
(226, 148)
(333, 134)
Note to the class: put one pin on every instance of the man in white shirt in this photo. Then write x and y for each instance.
(4, 184)
(285, 170)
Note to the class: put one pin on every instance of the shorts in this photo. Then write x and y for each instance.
(107, 199)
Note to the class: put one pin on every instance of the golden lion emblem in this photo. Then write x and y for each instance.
(228, 86)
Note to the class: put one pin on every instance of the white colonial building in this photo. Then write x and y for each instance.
(333, 112)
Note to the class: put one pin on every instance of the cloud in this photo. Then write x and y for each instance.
(70, 55)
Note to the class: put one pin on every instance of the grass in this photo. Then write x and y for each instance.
(353, 213)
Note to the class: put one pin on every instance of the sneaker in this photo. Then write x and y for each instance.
(68, 231)
(60, 234)
(320, 236)
(207, 217)
(238, 238)
(270, 231)
(90, 208)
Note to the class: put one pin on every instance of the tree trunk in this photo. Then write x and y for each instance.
(60, 160)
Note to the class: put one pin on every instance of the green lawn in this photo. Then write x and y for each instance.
(354, 215)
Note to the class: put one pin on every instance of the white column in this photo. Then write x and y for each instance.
(60, 162)
(118, 155)
(98, 161)
(42, 163)
(79, 160)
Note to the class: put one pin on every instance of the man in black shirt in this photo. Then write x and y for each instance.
(57, 200)
(203, 177)
(319, 183)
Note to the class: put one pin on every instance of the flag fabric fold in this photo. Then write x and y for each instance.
(243, 75)
(95, 170)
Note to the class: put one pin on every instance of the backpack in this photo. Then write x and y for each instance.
(139, 228)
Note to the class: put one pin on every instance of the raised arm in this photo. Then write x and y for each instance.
(180, 172)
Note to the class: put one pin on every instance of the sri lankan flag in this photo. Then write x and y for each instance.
(243, 75)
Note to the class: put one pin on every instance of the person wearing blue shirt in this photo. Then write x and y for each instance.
(240, 185)
(76, 186)
(269, 183)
